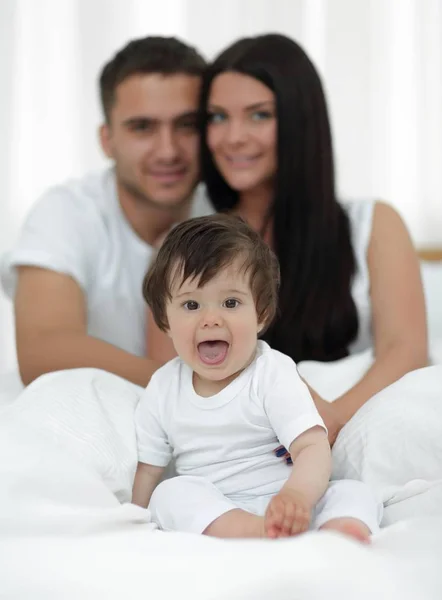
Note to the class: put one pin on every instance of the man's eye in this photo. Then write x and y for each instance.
(231, 303)
(190, 125)
(141, 126)
(191, 305)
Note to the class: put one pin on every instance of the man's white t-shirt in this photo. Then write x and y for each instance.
(79, 229)
(230, 438)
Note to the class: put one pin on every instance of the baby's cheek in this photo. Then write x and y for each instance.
(183, 338)
(247, 329)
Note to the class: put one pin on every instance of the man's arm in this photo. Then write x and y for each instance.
(51, 331)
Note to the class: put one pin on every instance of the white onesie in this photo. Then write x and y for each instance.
(225, 442)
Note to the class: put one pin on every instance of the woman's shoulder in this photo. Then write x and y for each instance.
(365, 217)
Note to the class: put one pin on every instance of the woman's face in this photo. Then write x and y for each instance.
(242, 131)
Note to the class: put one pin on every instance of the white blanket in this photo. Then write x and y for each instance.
(68, 457)
(64, 535)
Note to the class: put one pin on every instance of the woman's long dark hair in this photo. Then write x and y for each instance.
(317, 316)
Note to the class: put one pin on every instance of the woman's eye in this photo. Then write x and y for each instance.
(215, 118)
(231, 303)
(191, 305)
(261, 115)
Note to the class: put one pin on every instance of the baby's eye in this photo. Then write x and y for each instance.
(191, 305)
(231, 303)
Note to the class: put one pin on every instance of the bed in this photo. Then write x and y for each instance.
(68, 530)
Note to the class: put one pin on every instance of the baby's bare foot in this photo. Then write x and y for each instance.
(351, 527)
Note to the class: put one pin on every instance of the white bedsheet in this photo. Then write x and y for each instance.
(133, 563)
(64, 535)
(68, 456)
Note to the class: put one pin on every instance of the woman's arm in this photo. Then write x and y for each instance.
(398, 311)
(328, 415)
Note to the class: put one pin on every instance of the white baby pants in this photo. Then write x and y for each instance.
(191, 504)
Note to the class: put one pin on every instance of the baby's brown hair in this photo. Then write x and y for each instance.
(200, 248)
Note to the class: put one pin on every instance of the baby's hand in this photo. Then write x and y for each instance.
(287, 514)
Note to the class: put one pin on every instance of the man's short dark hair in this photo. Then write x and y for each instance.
(162, 55)
(199, 249)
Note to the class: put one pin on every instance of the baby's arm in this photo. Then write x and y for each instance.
(289, 512)
(146, 480)
(298, 426)
(311, 470)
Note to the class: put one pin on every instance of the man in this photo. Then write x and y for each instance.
(76, 272)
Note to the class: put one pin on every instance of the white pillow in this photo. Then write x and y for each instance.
(90, 414)
(332, 379)
(396, 437)
(415, 499)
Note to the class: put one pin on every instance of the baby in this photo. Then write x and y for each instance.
(228, 400)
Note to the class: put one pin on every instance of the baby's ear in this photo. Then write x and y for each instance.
(263, 322)
(262, 326)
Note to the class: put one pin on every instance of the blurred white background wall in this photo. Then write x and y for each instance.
(380, 60)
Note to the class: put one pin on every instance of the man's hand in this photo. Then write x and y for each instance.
(287, 514)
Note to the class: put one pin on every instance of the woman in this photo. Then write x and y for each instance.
(350, 275)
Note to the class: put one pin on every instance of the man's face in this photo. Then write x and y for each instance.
(153, 137)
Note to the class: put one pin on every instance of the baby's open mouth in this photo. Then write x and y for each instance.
(213, 352)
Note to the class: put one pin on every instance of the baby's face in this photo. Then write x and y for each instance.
(214, 328)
